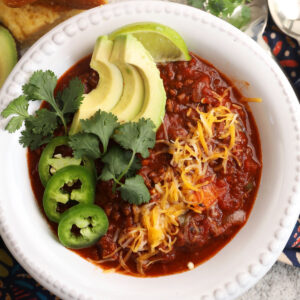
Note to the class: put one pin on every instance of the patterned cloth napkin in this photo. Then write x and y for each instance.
(16, 283)
(287, 54)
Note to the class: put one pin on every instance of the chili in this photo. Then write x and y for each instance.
(189, 86)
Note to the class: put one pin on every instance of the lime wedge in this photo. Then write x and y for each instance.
(163, 42)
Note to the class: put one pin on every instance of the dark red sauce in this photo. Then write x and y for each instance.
(202, 235)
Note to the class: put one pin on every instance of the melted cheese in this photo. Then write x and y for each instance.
(188, 185)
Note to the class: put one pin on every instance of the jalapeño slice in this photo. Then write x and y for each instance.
(82, 225)
(50, 163)
(67, 185)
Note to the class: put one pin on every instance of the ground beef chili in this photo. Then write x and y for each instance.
(201, 235)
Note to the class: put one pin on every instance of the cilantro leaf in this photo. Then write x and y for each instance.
(216, 7)
(138, 137)
(235, 12)
(135, 165)
(85, 144)
(107, 173)
(197, 3)
(14, 124)
(223, 8)
(19, 107)
(32, 139)
(44, 122)
(39, 128)
(72, 96)
(102, 124)
(242, 18)
(117, 161)
(41, 86)
(135, 191)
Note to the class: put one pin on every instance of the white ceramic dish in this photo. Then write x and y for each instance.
(255, 248)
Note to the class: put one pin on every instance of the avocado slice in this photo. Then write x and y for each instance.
(132, 98)
(134, 53)
(110, 86)
(9, 55)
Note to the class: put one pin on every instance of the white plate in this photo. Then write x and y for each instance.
(255, 248)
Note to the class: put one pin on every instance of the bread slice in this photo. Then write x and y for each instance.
(29, 22)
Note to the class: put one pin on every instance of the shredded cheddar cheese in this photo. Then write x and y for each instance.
(188, 184)
(245, 99)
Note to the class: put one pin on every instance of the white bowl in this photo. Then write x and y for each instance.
(258, 244)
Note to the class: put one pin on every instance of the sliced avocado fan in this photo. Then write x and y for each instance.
(110, 86)
(129, 86)
(9, 56)
(135, 54)
(132, 98)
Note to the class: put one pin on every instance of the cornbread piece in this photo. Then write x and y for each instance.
(17, 3)
(31, 21)
(79, 4)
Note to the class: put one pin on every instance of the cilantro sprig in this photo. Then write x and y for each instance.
(135, 191)
(85, 144)
(19, 108)
(40, 126)
(41, 86)
(98, 129)
(235, 12)
(102, 124)
(116, 161)
(121, 161)
(137, 138)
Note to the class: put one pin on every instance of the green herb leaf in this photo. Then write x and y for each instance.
(235, 12)
(40, 127)
(134, 167)
(41, 86)
(223, 8)
(19, 107)
(138, 137)
(216, 7)
(102, 124)
(116, 161)
(135, 191)
(44, 122)
(85, 144)
(242, 19)
(72, 96)
(197, 3)
(14, 124)
(32, 139)
(107, 174)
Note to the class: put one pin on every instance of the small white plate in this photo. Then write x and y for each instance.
(253, 250)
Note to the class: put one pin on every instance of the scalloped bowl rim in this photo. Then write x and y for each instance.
(251, 253)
